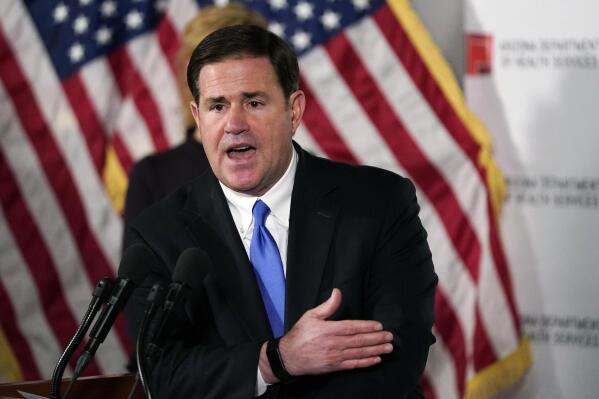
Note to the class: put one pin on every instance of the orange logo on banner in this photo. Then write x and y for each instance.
(479, 49)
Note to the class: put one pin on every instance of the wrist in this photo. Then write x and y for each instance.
(264, 367)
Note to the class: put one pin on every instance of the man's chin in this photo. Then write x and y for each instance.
(245, 185)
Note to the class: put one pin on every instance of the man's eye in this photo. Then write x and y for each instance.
(217, 107)
(255, 104)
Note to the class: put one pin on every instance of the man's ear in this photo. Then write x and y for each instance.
(193, 106)
(297, 104)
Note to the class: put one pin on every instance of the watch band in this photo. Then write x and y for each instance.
(276, 362)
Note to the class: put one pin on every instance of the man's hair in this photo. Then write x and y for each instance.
(242, 41)
(208, 20)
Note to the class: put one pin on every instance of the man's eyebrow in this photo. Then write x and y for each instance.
(253, 94)
(219, 99)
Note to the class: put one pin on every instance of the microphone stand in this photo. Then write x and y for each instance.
(156, 298)
(99, 296)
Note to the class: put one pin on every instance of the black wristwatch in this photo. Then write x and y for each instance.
(276, 362)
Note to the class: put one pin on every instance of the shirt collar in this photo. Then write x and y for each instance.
(278, 199)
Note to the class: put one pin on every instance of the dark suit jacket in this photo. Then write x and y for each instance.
(351, 227)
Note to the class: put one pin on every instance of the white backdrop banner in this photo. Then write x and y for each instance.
(533, 78)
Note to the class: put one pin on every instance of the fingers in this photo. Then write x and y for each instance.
(364, 340)
(328, 307)
(367, 352)
(359, 363)
(353, 327)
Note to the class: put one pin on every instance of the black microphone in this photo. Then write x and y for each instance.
(132, 272)
(99, 296)
(191, 269)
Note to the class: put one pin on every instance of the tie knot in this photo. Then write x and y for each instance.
(260, 212)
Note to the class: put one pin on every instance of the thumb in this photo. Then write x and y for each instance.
(328, 307)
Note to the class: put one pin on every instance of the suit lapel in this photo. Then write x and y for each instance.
(212, 228)
(311, 226)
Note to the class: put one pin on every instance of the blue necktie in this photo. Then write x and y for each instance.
(266, 260)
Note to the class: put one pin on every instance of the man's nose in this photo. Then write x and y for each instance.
(236, 121)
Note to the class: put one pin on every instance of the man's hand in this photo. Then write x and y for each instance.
(315, 345)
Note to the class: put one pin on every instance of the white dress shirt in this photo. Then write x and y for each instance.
(278, 199)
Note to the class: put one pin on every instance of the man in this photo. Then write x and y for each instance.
(157, 175)
(344, 307)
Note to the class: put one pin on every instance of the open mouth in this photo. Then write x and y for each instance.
(240, 152)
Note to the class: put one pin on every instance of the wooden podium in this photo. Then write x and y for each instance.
(99, 387)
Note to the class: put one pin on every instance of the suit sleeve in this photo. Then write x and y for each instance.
(401, 291)
(186, 368)
(400, 294)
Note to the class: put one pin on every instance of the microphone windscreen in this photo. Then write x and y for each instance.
(136, 262)
(192, 267)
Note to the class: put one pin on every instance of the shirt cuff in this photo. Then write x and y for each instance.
(261, 385)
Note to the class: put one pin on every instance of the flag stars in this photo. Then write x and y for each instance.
(303, 10)
(76, 52)
(103, 35)
(108, 8)
(330, 20)
(277, 4)
(60, 13)
(134, 19)
(85, 2)
(301, 40)
(80, 25)
(277, 28)
(221, 3)
(361, 5)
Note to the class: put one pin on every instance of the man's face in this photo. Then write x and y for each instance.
(246, 123)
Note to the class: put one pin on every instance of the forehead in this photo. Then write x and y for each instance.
(235, 75)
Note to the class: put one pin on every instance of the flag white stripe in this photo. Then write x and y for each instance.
(181, 12)
(448, 157)
(115, 114)
(133, 131)
(23, 294)
(153, 67)
(440, 371)
(305, 139)
(103, 91)
(104, 222)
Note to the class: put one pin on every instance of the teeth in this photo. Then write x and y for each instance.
(240, 148)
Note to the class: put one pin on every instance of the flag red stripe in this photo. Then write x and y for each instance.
(169, 42)
(407, 152)
(484, 354)
(91, 128)
(37, 257)
(450, 330)
(121, 151)
(502, 267)
(404, 49)
(131, 83)
(323, 130)
(427, 387)
(18, 343)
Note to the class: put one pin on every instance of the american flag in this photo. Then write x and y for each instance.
(87, 87)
